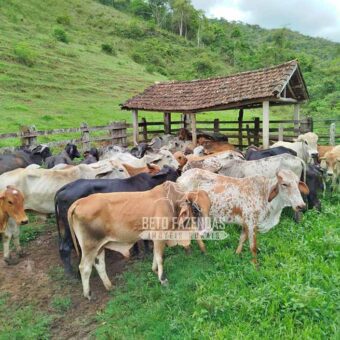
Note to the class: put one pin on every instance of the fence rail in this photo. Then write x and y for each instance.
(241, 133)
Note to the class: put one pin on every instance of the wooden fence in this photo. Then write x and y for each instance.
(241, 133)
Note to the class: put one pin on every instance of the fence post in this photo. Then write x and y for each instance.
(28, 135)
(310, 124)
(118, 133)
(85, 136)
(184, 120)
(240, 132)
(280, 137)
(248, 135)
(332, 134)
(257, 131)
(296, 119)
(167, 123)
(216, 125)
(144, 126)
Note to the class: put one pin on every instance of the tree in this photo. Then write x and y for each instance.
(159, 10)
(182, 14)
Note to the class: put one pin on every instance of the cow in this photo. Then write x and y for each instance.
(330, 162)
(23, 158)
(307, 152)
(313, 173)
(161, 158)
(253, 154)
(91, 156)
(39, 185)
(255, 202)
(322, 149)
(311, 139)
(117, 220)
(152, 169)
(211, 147)
(65, 157)
(139, 150)
(83, 188)
(11, 207)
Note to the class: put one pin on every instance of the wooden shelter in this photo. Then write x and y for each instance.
(278, 85)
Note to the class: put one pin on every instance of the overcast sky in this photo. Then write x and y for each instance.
(317, 18)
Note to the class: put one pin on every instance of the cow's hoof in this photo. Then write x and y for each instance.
(10, 261)
(165, 283)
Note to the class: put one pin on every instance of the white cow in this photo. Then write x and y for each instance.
(39, 185)
(305, 146)
(255, 203)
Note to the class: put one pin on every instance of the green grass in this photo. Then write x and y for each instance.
(293, 294)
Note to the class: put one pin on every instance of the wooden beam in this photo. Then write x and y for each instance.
(286, 100)
(240, 132)
(297, 119)
(193, 129)
(265, 125)
(135, 126)
(167, 122)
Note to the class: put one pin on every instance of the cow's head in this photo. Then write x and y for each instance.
(163, 157)
(43, 151)
(310, 141)
(12, 205)
(181, 159)
(330, 162)
(167, 173)
(72, 151)
(288, 188)
(196, 204)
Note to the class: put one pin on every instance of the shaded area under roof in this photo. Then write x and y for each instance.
(281, 84)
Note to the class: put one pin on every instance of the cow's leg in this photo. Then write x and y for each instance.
(16, 240)
(85, 268)
(252, 243)
(158, 260)
(243, 238)
(6, 237)
(99, 263)
(201, 244)
(65, 250)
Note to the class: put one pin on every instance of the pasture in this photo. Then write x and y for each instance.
(293, 294)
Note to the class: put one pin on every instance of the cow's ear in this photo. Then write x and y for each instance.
(322, 158)
(274, 191)
(303, 188)
(184, 215)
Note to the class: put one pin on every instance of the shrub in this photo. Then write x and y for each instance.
(137, 57)
(107, 48)
(24, 54)
(60, 35)
(64, 20)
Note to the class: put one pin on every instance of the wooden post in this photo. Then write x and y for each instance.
(85, 137)
(332, 134)
(135, 126)
(310, 124)
(240, 132)
(145, 129)
(184, 119)
(248, 135)
(118, 133)
(296, 119)
(216, 125)
(167, 123)
(28, 135)
(193, 129)
(257, 131)
(265, 125)
(280, 138)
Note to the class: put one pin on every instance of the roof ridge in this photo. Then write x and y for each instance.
(294, 61)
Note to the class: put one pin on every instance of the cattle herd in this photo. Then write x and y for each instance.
(116, 198)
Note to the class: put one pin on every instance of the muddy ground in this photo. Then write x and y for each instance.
(39, 278)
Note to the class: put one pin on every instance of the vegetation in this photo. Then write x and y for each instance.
(52, 84)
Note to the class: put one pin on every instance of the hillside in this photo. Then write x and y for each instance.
(65, 62)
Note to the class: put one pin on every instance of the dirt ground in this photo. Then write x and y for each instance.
(38, 278)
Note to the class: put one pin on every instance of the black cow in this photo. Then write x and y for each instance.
(314, 181)
(65, 157)
(253, 154)
(140, 150)
(85, 187)
(91, 156)
(24, 157)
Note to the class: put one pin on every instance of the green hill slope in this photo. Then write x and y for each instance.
(65, 62)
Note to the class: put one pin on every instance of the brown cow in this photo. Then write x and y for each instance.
(213, 147)
(117, 220)
(322, 149)
(11, 206)
(152, 169)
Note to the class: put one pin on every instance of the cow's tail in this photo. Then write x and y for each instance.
(56, 210)
(70, 217)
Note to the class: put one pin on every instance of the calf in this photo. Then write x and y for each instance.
(91, 156)
(11, 207)
(65, 157)
(330, 162)
(255, 203)
(322, 149)
(253, 154)
(117, 220)
(83, 188)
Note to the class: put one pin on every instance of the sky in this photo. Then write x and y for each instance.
(317, 18)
